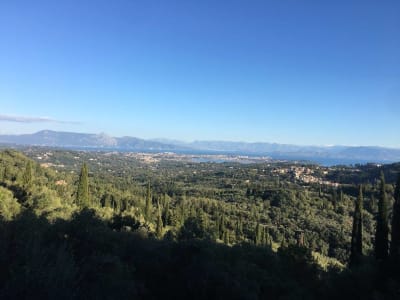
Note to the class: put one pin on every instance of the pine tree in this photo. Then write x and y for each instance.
(82, 195)
(395, 243)
(356, 236)
(148, 208)
(382, 228)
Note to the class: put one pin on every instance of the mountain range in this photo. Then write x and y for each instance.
(321, 154)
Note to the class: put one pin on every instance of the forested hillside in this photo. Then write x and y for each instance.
(79, 225)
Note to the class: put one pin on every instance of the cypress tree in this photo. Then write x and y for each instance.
(107, 200)
(7, 173)
(82, 195)
(395, 243)
(334, 199)
(181, 213)
(159, 225)
(28, 175)
(147, 212)
(382, 228)
(356, 236)
(2, 171)
(216, 229)
(372, 204)
(300, 238)
(263, 237)
(225, 237)
(221, 226)
(258, 234)
(118, 204)
(202, 219)
(166, 214)
(239, 228)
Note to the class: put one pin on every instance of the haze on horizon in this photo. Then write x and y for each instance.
(288, 72)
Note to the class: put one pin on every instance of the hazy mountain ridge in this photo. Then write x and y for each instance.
(82, 140)
(373, 153)
(287, 151)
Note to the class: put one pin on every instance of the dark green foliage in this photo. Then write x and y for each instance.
(258, 239)
(334, 199)
(166, 213)
(149, 204)
(123, 223)
(221, 226)
(395, 242)
(82, 194)
(85, 259)
(193, 228)
(299, 260)
(27, 176)
(239, 228)
(217, 220)
(382, 227)
(356, 236)
(159, 224)
(9, 207)
(264, 236)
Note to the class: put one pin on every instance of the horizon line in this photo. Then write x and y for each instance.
(168, 140)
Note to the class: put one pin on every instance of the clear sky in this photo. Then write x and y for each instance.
(286, 71)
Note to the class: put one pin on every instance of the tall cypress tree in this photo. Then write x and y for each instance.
(166, 214)
(221, 226)
(334, 199)
(239, 228)
(395, 244)
(225, 237)
(202, 219)
(258, 234)
(159, 225)
(27, 177)
(382, 228)
(264, 236)
(147, 212)
(82, 195)
(356, 236)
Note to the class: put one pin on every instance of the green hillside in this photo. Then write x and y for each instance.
(105, 225)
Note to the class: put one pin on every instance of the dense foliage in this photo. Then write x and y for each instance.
(106, 225)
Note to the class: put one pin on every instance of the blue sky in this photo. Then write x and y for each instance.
(301, 72)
